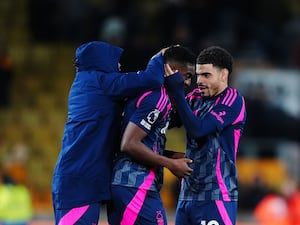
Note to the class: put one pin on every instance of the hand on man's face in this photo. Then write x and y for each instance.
(168, 70)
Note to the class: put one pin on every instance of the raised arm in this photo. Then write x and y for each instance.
(134, 83)
(195, 127)
(220, 116)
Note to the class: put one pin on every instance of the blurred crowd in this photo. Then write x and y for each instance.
(261, 33)
(280, 207)
(16, 204)
(6, 75)
(254, 31)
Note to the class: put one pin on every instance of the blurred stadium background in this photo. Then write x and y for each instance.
(40, 38)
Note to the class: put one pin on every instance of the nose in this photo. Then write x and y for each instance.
(198, 80)
(187, 82)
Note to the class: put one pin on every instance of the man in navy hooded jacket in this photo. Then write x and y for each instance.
(82, 175)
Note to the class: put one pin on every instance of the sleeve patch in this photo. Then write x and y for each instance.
(145, 124)
(150, 119)
(152, 116)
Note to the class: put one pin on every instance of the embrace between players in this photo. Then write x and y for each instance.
(113, 148)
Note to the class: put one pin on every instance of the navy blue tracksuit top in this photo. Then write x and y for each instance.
(82, 173)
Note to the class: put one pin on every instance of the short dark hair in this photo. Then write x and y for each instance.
(217, 56)
(180, 54)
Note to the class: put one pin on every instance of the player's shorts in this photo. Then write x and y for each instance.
(136, 206)
(84, 215)
(206, 213)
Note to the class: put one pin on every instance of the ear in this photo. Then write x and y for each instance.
(224, 75)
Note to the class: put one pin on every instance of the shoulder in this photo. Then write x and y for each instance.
(152, 97)
(231, 97)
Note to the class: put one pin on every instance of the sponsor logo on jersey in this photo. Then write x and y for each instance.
(219, 115)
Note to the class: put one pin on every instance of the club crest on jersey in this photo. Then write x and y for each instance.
(151, 118)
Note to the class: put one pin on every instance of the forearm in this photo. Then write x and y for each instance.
(155, 72)
(130, 84)
(133, 145)
(144, 155)
(191, 123)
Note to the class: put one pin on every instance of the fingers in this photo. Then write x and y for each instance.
(189, 169)
(182, 168)
(168, 70)
(188, 160)
(163, 50)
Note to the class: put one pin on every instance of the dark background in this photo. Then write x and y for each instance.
(39, 39)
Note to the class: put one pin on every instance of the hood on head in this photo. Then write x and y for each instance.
(97, 55)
